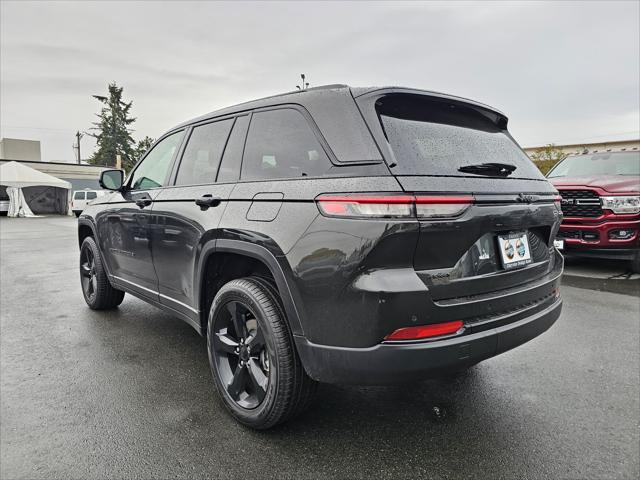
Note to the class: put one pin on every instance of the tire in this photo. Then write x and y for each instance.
(253, 360)
(96, 288)
(635, 263)
(307, 387)
(77, 212)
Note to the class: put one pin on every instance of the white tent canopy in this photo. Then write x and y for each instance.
(16, 176)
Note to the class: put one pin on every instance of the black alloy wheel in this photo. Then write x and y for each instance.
(241, 354)
(252, 355)
(88, 275)
(96, 288)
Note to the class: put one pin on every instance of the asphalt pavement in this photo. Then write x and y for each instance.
(128, 393)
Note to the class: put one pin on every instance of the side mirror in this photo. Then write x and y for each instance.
(112, 179)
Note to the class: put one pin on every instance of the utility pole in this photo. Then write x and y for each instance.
(78, 137)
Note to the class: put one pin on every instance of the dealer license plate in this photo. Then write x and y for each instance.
(514, 250)
(559, 244)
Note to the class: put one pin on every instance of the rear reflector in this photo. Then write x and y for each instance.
(425, 331)
(395, 206)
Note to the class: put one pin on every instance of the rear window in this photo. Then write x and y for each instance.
(606, 163)
(202, 154)
(281, 144)
(78, 196)
(431, 136)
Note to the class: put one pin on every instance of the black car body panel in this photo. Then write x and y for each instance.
(345, 283)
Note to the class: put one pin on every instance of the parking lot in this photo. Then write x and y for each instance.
(128, 393)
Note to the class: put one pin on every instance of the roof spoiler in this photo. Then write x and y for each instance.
(494, 114)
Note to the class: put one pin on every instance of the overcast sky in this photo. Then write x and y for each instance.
(562, 72)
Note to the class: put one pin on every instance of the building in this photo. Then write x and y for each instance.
(17, 149)
(613, 146)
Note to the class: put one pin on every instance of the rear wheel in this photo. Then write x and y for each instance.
(96, 288)
(254, 363)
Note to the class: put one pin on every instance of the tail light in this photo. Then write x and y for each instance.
(420, 332)
(393, 206)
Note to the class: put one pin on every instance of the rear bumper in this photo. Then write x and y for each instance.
(387, 363)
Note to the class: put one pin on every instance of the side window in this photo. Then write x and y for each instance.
(202, 154)
(78, 196)
(152, 172)
(281, 144)
(91, 195)
(232, 158)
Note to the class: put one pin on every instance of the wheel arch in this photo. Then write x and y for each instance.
(85, 229)
(256, 253)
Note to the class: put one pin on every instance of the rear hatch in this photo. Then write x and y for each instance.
(441, 145)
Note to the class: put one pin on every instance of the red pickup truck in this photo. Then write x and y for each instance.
(600, 204)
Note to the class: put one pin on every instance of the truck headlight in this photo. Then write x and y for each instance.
(622, 203)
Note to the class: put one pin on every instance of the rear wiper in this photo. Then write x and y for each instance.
(491, 169)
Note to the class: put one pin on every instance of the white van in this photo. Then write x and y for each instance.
(81, 199)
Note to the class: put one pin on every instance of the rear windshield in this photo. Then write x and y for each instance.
(607, 163)
(431, 136)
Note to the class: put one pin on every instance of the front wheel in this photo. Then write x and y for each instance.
(96, 288)
(254, 363)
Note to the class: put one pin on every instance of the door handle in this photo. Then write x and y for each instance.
(143, 202)
(207, 201)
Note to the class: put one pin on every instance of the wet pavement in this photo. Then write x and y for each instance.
(606, 275)
(128, 394)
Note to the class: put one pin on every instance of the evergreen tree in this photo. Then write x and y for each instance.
(113, 135)
(141, 148)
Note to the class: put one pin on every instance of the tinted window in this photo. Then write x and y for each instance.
(91, 195)
(78, 196)
(232, 157)
(202, 154)
(152, 172)
(280, 144)
(436, 137)
(607, 163)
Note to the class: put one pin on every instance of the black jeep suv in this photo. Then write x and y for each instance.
(341, 235)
